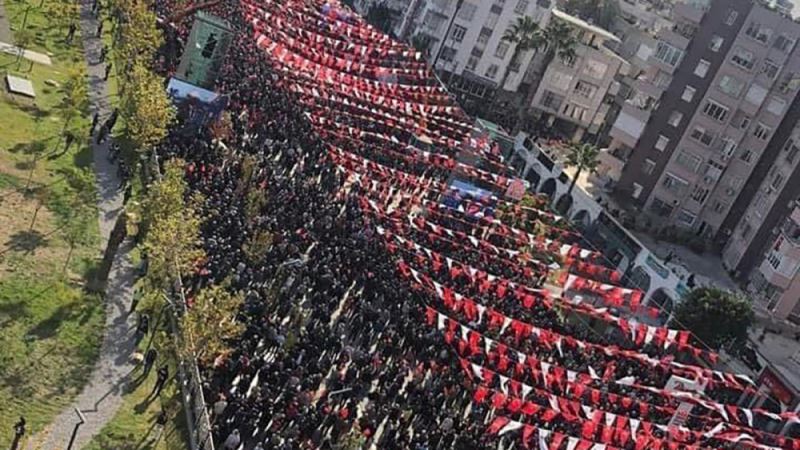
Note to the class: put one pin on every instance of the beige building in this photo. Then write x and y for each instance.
(576, 92)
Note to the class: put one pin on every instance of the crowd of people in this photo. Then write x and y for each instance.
(375, 320)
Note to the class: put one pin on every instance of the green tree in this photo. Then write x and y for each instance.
(521, 34)
(140, 37)
(81, 182)
(75, 100)
(23, 38)
(146, 109)
(556, 41)
(210, 322)
(581, 157)
(172, 228)
(715, 316)
(602, 13)
(36, 149)
(380, 17)
(63, 12)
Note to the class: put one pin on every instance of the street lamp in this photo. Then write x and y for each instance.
(459, 4)
(19, 431)
(81, 421)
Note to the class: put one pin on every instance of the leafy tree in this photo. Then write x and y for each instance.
(715, 316)
(582, 157)
(140, 37)
(36, 149)
(556, 41)
(380, 17)
(23, 38)
(81, 182)
(172, 228)
(63, 12)
(521, 34)
(146, 109)
(209, 322)
(599, 12)
(75, 102)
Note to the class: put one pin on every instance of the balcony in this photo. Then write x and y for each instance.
(672, 37)
(630, 124)
(691, 12)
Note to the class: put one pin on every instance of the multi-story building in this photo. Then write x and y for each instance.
(473, 58)
(706, 111)
(576, 92)
(775, 282)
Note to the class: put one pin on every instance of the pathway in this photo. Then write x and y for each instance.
(102, 395)
(5, 24)
(7, 39)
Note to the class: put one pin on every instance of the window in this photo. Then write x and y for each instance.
(467, 11)
(448, 53)
(648, 167)
(675, 118)
(688, 93)
(783, 43)
(472, 62)
(759, 33)
(637, 190)
(756, 94)
(552, 100)
(762, 131)
(484, 35)
(662, 142)
(501, 50)
(731, 17)
(688, 160)
(585, 90)
(792, 152)
(685, 217)
(576, 112)
(699, 194)
(741, 120)
(731, 86)
(702, 68)
(770, 69)
(668, 54)
(662, 79)
(433, 21)
(476, 52)
(716, 43)
(458, 33)
(777, 180)
(660, 208)
(560, 80)
(701, 135)
(715, 111)
(522, 7)
(595, 69)
(728, 147)
(744, 59)
(713, 169)
(746, 156)
(774, 260)
(776, 105)
(491, 72)
(496, 9)
(674, 183)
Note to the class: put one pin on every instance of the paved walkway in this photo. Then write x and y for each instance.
(102, 395)
(5, 25)
(39, 58)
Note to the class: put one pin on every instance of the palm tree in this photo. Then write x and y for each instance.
(521, 34)
(557, 41)
(582, 157)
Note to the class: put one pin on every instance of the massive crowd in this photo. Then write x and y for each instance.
(380, 318)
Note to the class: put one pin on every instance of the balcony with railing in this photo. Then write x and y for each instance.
(692, 10)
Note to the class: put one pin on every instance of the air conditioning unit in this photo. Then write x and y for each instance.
(708, 180)
(730, 192)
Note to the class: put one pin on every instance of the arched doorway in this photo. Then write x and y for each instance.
(582, 219)
(564, 203)
(639, 279)
(665, 304)
(548, 188)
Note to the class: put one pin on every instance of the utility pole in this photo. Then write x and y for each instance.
(459, 4)
(81, 421)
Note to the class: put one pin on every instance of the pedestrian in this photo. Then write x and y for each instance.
(95, 4)
(95, 119)
(100, 28)
(149, 360)
(108, 72)
(71, 32)
(233, 440)
(137, 296)
(19, 431)
(112, 119)
(161, 379)
(103, 53)
(142, 328)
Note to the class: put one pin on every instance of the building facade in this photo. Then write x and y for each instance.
(577, 92)
(721, 96)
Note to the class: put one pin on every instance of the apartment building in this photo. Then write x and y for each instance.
(706, 111)
(576, 92)
(472, 57)
(775, 283)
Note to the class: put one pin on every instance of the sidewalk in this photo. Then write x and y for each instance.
(102, 395)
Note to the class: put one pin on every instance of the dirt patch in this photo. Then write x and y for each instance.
(22, 247)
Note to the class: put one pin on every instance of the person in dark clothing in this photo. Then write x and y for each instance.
(161, 380)
(149, 360)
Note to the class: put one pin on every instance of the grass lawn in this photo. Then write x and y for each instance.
(51, 327)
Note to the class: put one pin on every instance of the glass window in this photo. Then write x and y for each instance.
(668, 54)
(467, 11)
(716, 43)
(675, 118)
(688, 160)
(491, 72)
(743, 58)
(648, 167)
(776, 105)
(756, 31)
(595, 69)
(702, 68)
(715, 111)
(703, 136)
(770, 69)
(730, 18)
(688, 93)
(762, 131)
(448, 53)
(484, 35)
(700, 194)
(685, 217)
(783, 43)
(458, 33)
(756, 94)
(731, 86)
(585, 90)
(501, 50)
(522, 7)
(662, 142)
